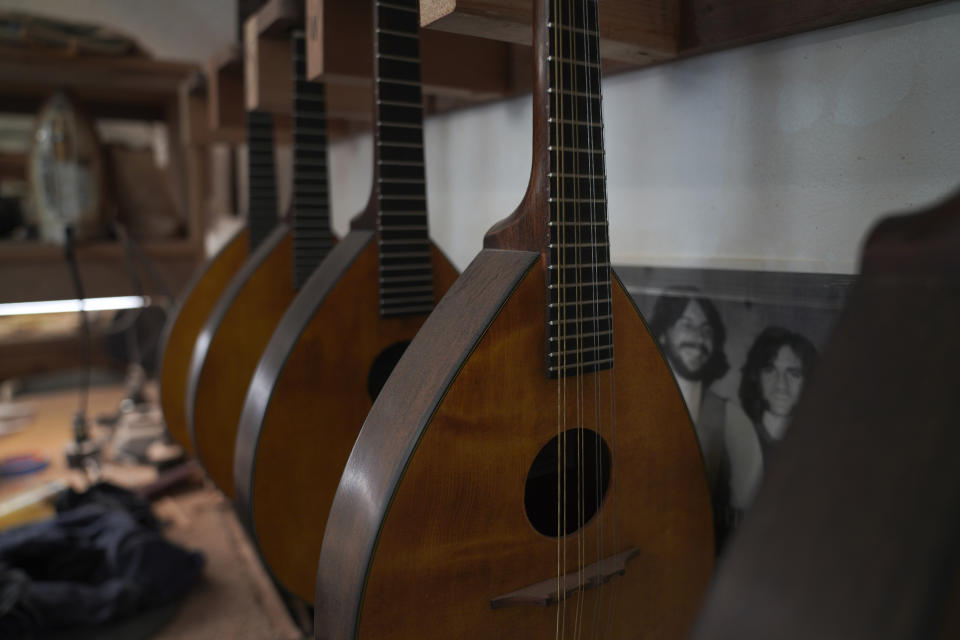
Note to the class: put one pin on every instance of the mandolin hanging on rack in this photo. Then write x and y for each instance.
(522, 474)
(245, 317)
(348, 326)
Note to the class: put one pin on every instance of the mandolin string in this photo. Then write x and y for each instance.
(559, 202)
(591, 94)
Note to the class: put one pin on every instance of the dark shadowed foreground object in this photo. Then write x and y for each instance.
(856, 531)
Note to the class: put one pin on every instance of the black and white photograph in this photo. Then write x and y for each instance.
(740, 345)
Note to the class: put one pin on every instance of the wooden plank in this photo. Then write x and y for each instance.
(267, 70)
(225, 92)
(711, 25)
(633, 31)
(194, 108)
(340, 49)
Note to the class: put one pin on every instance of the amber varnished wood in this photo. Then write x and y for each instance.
(297, 435)
(183, 327)
(460, 420)
(229, 347)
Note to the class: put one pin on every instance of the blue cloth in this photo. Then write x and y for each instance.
(98, 561)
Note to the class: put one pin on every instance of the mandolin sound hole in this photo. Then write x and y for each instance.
(584, 480)
(382, 367)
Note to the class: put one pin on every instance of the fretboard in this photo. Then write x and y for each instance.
(261, 180)
(312, 237)
(406, 274)
(579, 311)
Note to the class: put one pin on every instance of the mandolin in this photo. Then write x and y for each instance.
(342, 335)
(520, 474)
(192, 309)
(246, 315)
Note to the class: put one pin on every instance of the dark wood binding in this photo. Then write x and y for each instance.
(312, 235)
(453, 533)
(227, 350)
(311, 388)
(261, 177)
(184, 325)
(854, 531)
(407, 402)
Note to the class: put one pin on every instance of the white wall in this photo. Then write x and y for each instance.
(774, 156)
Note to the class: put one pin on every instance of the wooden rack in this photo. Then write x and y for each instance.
(131, 88)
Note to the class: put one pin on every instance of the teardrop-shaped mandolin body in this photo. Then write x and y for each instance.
(429, 529)
(184, 326)
(309, 395)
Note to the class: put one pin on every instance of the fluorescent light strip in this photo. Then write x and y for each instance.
(73, 306)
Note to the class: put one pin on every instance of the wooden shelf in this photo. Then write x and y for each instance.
(642, 32)
(115, 87)
(460, 68)
(633, 31)
(103, 267)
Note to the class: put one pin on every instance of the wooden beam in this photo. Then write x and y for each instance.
(340, 50)
(225, 94)
(267, 70)
(712, 25)
(633, 31)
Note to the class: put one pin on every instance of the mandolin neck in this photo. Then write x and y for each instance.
(261, 178)
(579, 309)
(312, 237)
(406, 273)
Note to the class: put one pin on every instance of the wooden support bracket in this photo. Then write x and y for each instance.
(632, 31)
(340, 51)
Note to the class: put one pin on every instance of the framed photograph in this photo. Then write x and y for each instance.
(741, 345)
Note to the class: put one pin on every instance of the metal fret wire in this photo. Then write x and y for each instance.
(404, 243)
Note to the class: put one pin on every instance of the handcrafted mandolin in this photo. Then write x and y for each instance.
(342, 335)
(523, 474)
(245, 317)
(191, 311)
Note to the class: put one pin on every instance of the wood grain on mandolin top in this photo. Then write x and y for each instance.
(183, 327)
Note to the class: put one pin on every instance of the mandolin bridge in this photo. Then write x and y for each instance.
(546, 592)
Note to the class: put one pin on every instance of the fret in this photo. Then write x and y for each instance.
(417, 289)
(561, 223)
(390, 56)
(583, 367)
(399, 81)
(391, 279)
(590, 334)
(402, 145)
(594, 283)
(400, 103)
(580, 265)
(397, 255)
(413, 268)
(564, 60)
(400, 34)
(402, 125)
(588, 32)
(563, 175)
(556, 305)
(405, 242)
(408, 300)
(599, 318)
(582, 123)
(398, 7)
(578, 200)
(401, 180)
(583, 349)
(409, 310)
(578, 150)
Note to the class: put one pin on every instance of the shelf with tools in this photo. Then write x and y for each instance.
(129, 88)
